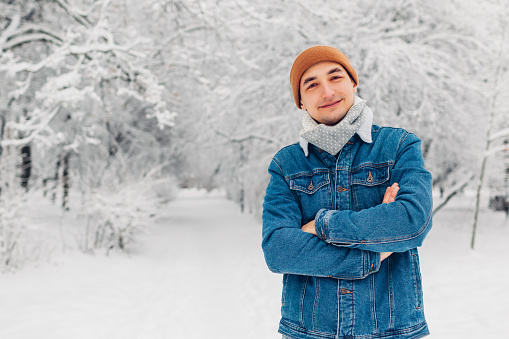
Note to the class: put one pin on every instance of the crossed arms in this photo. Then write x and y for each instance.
(390, 196)
(351, 244)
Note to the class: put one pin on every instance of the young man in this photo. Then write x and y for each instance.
(344, 213)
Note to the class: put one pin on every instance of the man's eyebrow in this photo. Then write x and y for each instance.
(334, 70)
(308, 80)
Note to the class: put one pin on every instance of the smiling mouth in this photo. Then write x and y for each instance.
(331, 104)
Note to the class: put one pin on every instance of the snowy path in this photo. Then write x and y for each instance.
(201, 274)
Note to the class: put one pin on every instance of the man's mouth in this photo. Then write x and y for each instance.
(330, 104)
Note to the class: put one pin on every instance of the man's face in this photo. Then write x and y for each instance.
(327, 92)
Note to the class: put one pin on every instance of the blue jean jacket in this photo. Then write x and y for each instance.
(334, 284)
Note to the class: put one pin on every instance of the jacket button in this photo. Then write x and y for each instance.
(341, 189)
(345, 291)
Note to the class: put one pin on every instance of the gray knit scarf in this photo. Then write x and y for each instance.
(332, 138)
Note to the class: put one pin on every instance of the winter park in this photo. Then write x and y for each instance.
(138, 140)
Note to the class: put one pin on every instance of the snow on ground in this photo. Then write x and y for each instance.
(200, 274)
(465, 291)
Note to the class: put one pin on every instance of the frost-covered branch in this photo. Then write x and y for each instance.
(28, 38)
(497, 149)
(34, 128)
(500, 134)
(16, 36)
(79, 16)
(10, 30)
(13, 68)
(246, 138)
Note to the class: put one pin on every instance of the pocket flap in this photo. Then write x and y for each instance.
(370, 176)
(309, 182)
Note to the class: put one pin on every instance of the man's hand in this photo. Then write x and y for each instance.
(389, 196)
(384, 255)
(309, 227)
(390, 193)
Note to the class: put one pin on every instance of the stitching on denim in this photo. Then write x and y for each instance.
(391, 293)
(354, 198)
(371, 164)
(417, 279)
(326, 219)
(317, 296)
(402, 139)
(305, 189)
(332, 194)
(279, 166)
(285, 287)
(303, 295)
(377, 182)
(387, 334)
(284, 178)
(389, 240)
(304, 330)
(338, 323)
(314, 172)
(373, 302)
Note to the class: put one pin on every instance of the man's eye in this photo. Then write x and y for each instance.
(311, 86)
(336, 77)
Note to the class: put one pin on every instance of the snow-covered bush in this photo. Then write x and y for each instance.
(116, 216)
(11, 230)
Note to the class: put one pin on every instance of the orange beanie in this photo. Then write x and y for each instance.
(312, 56)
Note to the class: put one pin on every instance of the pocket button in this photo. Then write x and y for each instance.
(311, 186)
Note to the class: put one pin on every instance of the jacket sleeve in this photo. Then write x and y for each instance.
(395, 227)
(288, 249)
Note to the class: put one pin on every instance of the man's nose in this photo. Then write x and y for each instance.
(327, 91)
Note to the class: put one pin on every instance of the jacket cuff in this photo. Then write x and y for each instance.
(321, 228)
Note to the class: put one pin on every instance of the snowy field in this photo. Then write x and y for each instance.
(199, 273)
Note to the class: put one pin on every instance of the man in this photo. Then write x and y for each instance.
(344, 213)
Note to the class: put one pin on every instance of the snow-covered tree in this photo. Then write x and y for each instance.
(496, 111)
(77, 97)
(411, 58)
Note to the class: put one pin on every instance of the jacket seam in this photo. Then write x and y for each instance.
(383, 241)
(387, 334)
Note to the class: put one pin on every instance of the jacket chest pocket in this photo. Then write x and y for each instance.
(313, 191)
(368, 186)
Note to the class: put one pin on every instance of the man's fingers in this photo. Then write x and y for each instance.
(394, 192)
(386, 195)
(390, 193)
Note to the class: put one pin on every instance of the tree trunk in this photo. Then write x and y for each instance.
(66, 181)
(2, 129)
(498, 76)
(26, 166)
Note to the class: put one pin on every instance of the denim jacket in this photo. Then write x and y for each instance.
(334, 284)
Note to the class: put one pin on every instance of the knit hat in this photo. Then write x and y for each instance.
(313, 56)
